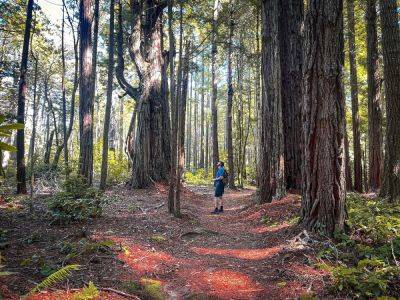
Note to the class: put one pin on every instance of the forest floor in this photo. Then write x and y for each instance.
(248, 252)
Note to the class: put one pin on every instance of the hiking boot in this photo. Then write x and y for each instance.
(216, 211)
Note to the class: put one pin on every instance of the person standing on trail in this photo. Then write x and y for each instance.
(219, 188)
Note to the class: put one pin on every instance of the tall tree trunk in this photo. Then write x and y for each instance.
(374, 106)
(181, 130)
(35, 108)
(22, 94)
(150, 161)
(107, 116)
(291, 21)
(271, 91)
(174, 107)
(73, 95)
(86, 96)
(324, 193)
(63, 94)
(202, 161)
(195, 125)
(229, 103)
(391, 60)
(358, 181)
(214, 111)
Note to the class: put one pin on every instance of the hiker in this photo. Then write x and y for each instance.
(219, 185)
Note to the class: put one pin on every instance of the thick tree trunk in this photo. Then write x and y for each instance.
(391, 60)
(271, 98)
(22, 94)
(358, 181)
(291, 21)
(151, 160)
(374, 96)
(107, 116)
(324, 193)
(86, 96)
(214, 111)
(229, 103)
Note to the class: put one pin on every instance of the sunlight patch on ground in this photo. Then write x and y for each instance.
(265, 229)
(224, 284)
(251, 254)
(144, 261)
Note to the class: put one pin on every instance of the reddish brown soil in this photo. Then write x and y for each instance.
(200, 256)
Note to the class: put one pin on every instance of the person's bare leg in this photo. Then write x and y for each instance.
(216, 202)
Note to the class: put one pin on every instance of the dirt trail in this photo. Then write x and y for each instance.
(243, 253)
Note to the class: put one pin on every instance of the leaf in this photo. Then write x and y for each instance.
(54, 278)
(15, 126)
(7, 147)
(2, 118)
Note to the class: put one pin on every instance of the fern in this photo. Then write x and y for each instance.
(88, 292)
(54, 278)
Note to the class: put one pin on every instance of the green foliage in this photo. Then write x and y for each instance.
(5, 131)
(374, 219)
(158, 238)
(88, 292)
(118, 168)
(54, 278)
(369, 278)
(363, 262)
(78, 202)
(130, 286)
(199, 177)
(153, 288)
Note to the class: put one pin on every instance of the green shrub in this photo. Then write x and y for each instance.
(78, 202)
(199, 177)
(370, 278)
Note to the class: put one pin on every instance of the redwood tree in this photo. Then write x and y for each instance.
(391, 60)
(291, 63)
(374, 105)
(151, 155)
(354, 97)
(324, 193)
(86, 96)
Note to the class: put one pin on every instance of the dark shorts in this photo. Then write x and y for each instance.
(219, 188)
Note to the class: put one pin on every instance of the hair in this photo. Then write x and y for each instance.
(221, 163)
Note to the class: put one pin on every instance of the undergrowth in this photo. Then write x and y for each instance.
(199, 177)
(77, 202)
(363, 262)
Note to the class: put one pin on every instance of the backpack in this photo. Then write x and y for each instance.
(225, 178)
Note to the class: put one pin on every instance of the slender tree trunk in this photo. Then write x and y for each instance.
(63, 94)
(214, 111)
(86, 96)
(189, 126)
(202, 161)
(349, 179)
(391, 60)
(35, 105)
(374, 105)
(174, 107)
(181, 130)
(195, 124)
(22, 94)
(358, 186)
(121, 129)
(291, 20)
(230, 103)
(107, 116)
(73, 95)
(324, 193)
